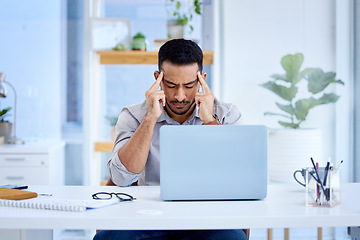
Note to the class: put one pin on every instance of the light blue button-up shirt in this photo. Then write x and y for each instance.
(129, 120)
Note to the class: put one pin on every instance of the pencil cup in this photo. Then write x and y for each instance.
(323, 187)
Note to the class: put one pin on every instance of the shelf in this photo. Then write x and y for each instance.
(140, 57)
(104, 146)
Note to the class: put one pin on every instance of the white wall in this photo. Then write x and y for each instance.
(256, 34)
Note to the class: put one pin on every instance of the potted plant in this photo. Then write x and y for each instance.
(291, 148)
(139, 42)
(179, 18)
(5, 125)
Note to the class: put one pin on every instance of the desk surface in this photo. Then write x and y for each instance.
(284, 207)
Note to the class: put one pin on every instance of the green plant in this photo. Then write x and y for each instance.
(119, 47)
(181, 17)
(286, 87)
(3, 113)
(139, 35)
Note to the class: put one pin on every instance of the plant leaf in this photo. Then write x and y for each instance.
(280, 77)
(197, 7)
(283, 92)
(289, 125)
(318, 80)
(328, 98)
(4, 111)
(308, 71)
(178, 5)
(276, 114)
(286, 108)
(303, 106)
(292, 65)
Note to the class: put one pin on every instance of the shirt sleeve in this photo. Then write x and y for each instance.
(228, 113)
(232, 116)
(125, 128)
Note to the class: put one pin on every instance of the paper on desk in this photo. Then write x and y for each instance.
(59, 204)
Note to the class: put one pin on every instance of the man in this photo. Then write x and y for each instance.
(136, 156)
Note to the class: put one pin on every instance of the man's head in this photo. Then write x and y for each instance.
(180, 60)
(180, 52)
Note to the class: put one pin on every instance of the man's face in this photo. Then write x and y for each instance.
(180, 84)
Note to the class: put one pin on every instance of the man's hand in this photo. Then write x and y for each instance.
(205, 101)
(154, 99)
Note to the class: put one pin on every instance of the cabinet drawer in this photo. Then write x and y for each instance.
(23, 160)
(27, 176)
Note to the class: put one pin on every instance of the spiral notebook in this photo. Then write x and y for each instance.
(58, 204)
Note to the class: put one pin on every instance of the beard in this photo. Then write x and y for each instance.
(180, 111)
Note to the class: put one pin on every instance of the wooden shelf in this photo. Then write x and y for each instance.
(104, 146)
(140, 57)
(108, 57)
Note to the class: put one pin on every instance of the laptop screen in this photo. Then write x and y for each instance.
(213, 162)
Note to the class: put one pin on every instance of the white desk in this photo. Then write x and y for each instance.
(284, 207)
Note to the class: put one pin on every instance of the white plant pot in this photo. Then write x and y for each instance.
(291, 149)
(175, 31)
(5, 130)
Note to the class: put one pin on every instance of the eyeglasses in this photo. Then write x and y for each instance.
(106, 196)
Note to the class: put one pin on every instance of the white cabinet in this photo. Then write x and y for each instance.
(38, 163)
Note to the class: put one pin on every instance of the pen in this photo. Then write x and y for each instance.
(338, 167)
(318, 177)
(327, 190)
(326, 172)
(317, 185)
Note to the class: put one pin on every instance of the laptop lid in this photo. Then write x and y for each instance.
(213, 162)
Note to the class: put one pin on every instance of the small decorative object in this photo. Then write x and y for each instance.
(139, 42)
(108, 32)
(286, 87)
(3, 93)
(179, 19)
(119, 47)
(5, 125)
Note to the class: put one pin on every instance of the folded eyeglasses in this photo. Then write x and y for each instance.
(106, 196)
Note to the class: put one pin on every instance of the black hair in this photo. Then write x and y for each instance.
(181, 52)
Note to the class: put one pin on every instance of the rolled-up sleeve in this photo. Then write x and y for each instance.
(228, 113)
(125, 128)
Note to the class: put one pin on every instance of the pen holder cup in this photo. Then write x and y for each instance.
(323, 191)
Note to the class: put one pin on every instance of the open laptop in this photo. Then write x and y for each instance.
(213, 162)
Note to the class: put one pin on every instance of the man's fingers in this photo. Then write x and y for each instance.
(163, 100)
(156, 84)
(159, 96)
(203, 84)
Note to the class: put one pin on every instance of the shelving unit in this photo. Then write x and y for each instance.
(133, 57)
(140, 57)
(106, 146)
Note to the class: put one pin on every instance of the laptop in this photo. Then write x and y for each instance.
(212, 162)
